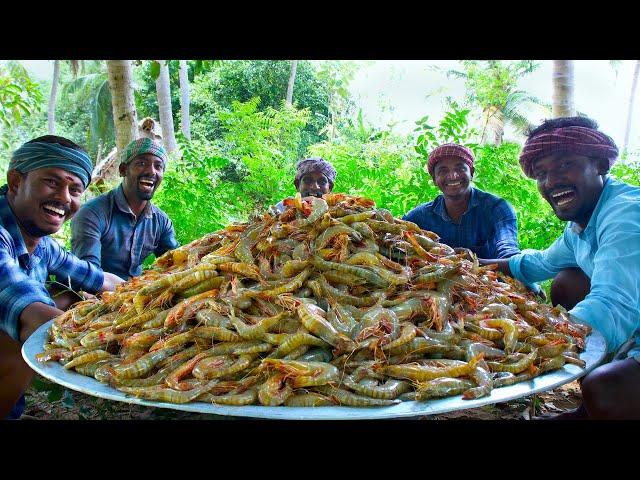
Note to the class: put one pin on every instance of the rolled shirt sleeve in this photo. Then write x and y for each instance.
(17, 291)
(504, 238)
(86, 236)
(537, 265)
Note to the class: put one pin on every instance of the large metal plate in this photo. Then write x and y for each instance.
(593, 356)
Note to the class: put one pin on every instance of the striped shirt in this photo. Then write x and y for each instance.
(488, 228)
(23, 275)
(608, 252)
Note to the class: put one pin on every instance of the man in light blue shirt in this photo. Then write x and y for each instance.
(570, 159)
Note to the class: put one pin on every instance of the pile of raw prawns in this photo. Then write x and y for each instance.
(332, 302)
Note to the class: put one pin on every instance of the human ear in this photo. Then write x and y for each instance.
(602, 164)
(14, 178)
(122, 169)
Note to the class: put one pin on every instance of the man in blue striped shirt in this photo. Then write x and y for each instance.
(464, 216)
(45, 180)
(596, 261)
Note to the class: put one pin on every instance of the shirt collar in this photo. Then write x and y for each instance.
(123, 205)
(440, 209)
(596, 211)
(10, 223)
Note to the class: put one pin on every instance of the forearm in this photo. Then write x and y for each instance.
(64, 299)
(503, 264)
(35, 315)
(110, 283)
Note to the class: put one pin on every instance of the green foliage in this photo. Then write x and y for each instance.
(378, 165)
(216, 90)
(627, 172)
(85, 112)
(215, 184)
(490, 82)
(192, 195)
(498, 171)
(20, 97)
(491, 85)
(453, 128)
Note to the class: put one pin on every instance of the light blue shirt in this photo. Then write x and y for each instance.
(608, 251)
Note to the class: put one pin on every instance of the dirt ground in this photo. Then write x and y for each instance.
(49, 401)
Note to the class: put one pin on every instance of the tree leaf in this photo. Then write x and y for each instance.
(56, 393)
(154, 69)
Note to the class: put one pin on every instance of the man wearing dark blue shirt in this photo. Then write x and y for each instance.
(464, 216)
(45, 180)
(118, 230)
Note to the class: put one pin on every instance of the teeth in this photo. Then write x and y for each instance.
(558, 194)
(454, 184)
(564, 202)
(146, 182)
(55, 210)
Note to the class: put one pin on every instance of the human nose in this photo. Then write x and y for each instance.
(151, 170)
(63, 195)
(453, 175)
(552, 179)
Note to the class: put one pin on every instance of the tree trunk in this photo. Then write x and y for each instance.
(563, 86)
(632, 98)
(292, 81)
(164, 107)
(184, 99)
(493, 129)
(124, 108)
(51, 114)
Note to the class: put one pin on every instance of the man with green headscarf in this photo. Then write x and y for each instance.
(45, 180)
(118, 230)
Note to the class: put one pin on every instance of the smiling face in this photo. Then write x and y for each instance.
(453, 177)
(571, 183)
(314, 184)
(44, 198)
(142, 176)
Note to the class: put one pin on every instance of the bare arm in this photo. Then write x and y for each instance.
(35, 315)
(110, 283)
(503, 264)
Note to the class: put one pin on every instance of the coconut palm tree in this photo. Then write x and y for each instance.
(124, 108)
(93, 89)
(163, 91)
(492, 86)
(185, 121)
(632, 97)
(563, 87)
(51, 112)
(292, 80)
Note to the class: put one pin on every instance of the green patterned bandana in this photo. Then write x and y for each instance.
(142, 146)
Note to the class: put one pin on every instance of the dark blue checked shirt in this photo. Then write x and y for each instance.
(488, 227)
(106, 233)
(23, 276)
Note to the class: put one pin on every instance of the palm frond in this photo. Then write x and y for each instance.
(83, 88)
(455, 74)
